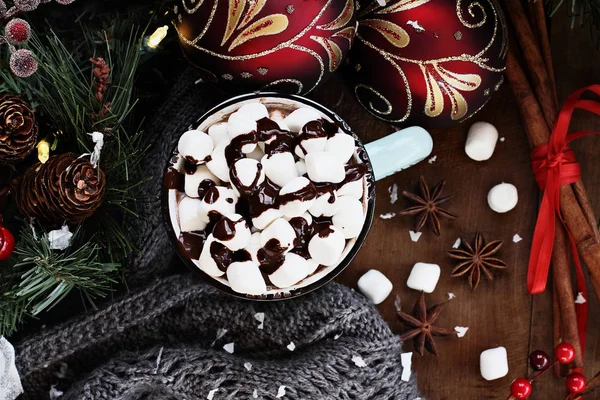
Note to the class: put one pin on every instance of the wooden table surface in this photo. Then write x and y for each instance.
(499, 312)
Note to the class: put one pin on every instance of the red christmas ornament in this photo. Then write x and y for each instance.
(7, 242)
(576, 383)
(520, 388)
(17, 31)
(244, 45)
(428, 62)
(564, 353)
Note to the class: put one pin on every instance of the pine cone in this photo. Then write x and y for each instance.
(18, 129)
(65, 189)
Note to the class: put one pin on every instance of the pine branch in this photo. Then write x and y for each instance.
(582, 12)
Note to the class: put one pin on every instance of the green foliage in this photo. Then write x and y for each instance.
(583, 12)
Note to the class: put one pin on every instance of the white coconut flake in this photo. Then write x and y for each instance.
(255, 394)
(398, 303)
(580, 299)
(517, 238)
(381, 2)
(406, 361)
(389, 215)
(502, 139)
(451, 296)
(260, 317)
(60, 239)
(432, 160)
(415, 24)
(457, 244)
(415, 236)
(220, 333)
(359, 362)
(393, 193)
(54, 393)
(211, 394)
(248, 366)
(291, 346)
(229, 347)
(461, 331)
(280, 392)
(336, 337)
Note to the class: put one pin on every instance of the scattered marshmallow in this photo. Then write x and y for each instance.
(248, 366)
(218, 133)
(245, 277)
(326, 205)
(292, 271)
(234, 224)
(193, 181)
(291, 346)
(312, 266)
(415, 236)
(493, 363)
(327, 249)
(311, 145)
(457, 243)
(375, 286)
(280, 392)
(481, 141)
(192, 215)
(218, 162)
(350, 217)
(432, 160)
(389, 215)
(301, 167)
(249, 173)
(325, 166)
(266, 218)
(424, 277)
(239, 124)
(280, 168)
(517, 238)
(451, 296)
(580, 299)
(354, 189)
(503, 197)
(342, 144)
(206, 262)
(300, 117)
(359, 362)
(211, 394)
(461, 331)
(260, 317)
(393, 193)
(280, 230)
(229, 347)
(406, 361)
(195, 146)
(254, 111)
(307, 195)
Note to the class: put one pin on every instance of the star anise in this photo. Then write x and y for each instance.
(421, 322)
(477, 259)
(428, 206)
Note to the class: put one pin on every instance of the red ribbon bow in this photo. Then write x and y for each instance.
(554, 165)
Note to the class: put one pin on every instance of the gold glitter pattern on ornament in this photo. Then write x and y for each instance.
(227, 77)
(317, 57)
(499, 84)
(342, 19)
(236, 7)
(393, 33)
(346, 33)
(271, 25)
(254, 8)
(262, 70)
(402, 5)
(289, 9)
(470, 9)
(458, 35)
(194, 5)
(246, 75)
(376, 93)
(333, 51)
(293, 81)
(486, 92)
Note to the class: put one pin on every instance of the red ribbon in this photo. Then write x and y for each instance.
(554, 165)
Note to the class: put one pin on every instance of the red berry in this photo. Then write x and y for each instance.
(564, 353)
(7, 243)
(539, 360)
(17, 31)
(22, 63)
(576, 383)
(520, 388)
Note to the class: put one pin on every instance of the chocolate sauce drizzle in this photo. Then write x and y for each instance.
(224, 229)
(307, 193)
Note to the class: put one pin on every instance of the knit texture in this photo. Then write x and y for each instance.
(161, 343)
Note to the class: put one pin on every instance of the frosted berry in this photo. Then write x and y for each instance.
(564, 353)
(64, 2)
(520, 388)
(576, 383)
(27, 5)
(7, 243)
(539, 360)
(22, 63)
(3, 8)
(17, 31)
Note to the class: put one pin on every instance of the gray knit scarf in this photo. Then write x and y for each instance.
(166, 339)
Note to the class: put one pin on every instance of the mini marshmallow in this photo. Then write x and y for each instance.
(254, 246)
(218, 162)
(481, 141)
(239, 124)
(245, 277)
(375, 286)
(493, 363)
(192, 182)
(341, 144)
(312, 266)
(218, 133)
(266, 218)
(324, 206)
(424, 277)
(311, 145)
(292, 271)
(254, 111)
(233, 224)
(246, 175)
(300, 117)
(192, 215)
(503, 197)
(219, 199)
(280, 168)
(280, 230)
(327, 249)
(325, 166)
(301, 167)
(306, 216)
(195, 146)
(206, 262)
(353, 189)
(350, 217)
(257, 154)
(298, 207)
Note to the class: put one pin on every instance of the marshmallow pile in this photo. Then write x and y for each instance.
(272, 196)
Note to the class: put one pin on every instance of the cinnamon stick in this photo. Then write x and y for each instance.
(539, 16)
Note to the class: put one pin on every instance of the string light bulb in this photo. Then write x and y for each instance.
(157, 37)
(43, 149)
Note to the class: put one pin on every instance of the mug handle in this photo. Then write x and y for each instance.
(399, 150)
